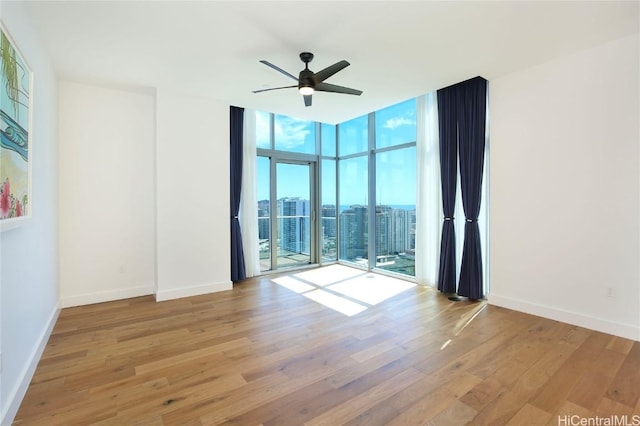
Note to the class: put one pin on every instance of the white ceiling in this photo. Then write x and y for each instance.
(397, 50)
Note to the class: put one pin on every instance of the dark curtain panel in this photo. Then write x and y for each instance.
(447, 123)
(471, 127)
(238, 271)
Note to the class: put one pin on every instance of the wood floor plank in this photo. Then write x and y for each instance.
(261, 354)
(501, 410)
(530, 415)
(355, 406)
(169, 400)
(589, 390)
(608, 408)
(483, 393)
(458, 413)
(620, 345)
(555, 391)
(293, 404)
(190, 356)
(379, 415)
(498, 397)
(265, 393)
(624, 387)
(437, 402)
(347, 383)
(566, 412)
(231, 403)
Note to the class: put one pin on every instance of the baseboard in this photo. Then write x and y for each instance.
(18, 392)
(196, 290)
(105, 296)
(628, 331)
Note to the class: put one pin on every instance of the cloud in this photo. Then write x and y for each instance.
(291, 132)
(395, 122)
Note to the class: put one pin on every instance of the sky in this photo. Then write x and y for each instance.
(396, 170)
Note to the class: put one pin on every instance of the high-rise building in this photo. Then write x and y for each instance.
(328, 232)
(394, 232)
(263, 220)
(354, 233)
(329, 220)
(294, 226)
(401, 231)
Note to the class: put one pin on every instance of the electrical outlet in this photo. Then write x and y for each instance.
(611, 292)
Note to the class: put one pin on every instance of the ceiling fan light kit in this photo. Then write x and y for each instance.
(310, 82)
(306, 90)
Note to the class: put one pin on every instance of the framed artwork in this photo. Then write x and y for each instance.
(15, 133)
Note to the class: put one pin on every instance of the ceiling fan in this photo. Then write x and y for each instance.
(309, 82)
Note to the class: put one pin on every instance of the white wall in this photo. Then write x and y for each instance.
(28, 261)
(119, 150)
(565, 189)
(106, 193)
(192, 160)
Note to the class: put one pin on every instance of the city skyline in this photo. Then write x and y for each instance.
(394, 234)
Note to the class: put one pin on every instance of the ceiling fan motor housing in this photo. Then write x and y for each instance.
(306, 79)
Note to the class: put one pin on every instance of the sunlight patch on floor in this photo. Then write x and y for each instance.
(344, 289)
(371, 288)
(293, 284)
(329, 275)
(337, 303)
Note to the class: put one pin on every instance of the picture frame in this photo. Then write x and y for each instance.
(16, 122)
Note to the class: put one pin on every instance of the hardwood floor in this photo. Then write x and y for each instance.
(262, 354)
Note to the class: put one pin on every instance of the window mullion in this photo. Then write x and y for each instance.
(371, 207)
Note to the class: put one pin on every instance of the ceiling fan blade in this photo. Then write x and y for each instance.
(322, 75)
(274, 88)
(307, 100)
(326, 87)
(277, 68)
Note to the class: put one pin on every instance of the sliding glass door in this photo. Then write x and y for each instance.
(286, 217)
(294, 220)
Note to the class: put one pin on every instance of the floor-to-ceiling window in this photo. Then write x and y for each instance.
(364, 174)
(328, 202)
(286, 182)
(263, 181)
(353, 191)
(377, 189)
(395, 187)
